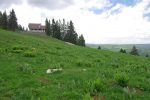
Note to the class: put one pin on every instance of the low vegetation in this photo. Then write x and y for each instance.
(87, 74)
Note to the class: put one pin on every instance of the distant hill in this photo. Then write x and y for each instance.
(35, 67)
(142, 48)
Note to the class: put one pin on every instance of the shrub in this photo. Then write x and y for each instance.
(122, 80)
(29, 54)
(25, 68)
(94, 87)
(97, 85)
(87, 97)
(18, 47)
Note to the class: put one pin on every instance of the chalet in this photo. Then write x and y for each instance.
(36, 27)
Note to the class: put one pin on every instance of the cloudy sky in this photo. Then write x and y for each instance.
(100, 21)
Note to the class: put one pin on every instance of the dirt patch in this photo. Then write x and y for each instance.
(134, 90)
(99, 98)
(44, 81)
(5, 98)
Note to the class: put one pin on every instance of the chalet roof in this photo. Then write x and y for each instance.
(36, 26)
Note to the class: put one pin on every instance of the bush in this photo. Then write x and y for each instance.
(29, 54)
(18, 47)
(122, 80)
(25, 68)
(97, 85)
(94, 87)
(87, 97)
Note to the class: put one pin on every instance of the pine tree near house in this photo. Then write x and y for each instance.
(58, 31)
(47, 27)
(134, 51)
(71, 35)
(1, 19)
(12, 21)
(21, 28)
(4, 21)
(63, 29)
(53, 28)
(81, 41)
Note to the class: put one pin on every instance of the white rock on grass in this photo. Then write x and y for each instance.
(69, 43)
(49, 71)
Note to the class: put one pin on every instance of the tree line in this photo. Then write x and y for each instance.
(64, 31)
(9, 22)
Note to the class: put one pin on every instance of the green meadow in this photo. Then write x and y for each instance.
(87, 73)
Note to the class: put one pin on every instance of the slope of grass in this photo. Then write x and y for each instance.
(86, 74)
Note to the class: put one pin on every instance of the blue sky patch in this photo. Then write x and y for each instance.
(96, 10)
(148, 13)
(125, 2)
(114, 3)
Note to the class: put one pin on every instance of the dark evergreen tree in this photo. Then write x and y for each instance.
(58, 31)
(12, 21)
(4, 21)
(134, 51)
(146, 55)
(122, 50)
(1, 19)
(81, 41)
(71, 35)
(47, 27)
(63, 29)
(75, 38)
(20, 28)
(99, 47)
(53, 27)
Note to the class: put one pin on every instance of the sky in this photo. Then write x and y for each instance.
(100, 21)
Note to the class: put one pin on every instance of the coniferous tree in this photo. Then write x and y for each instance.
(146, 55)
(99, 47)
(58, 31)
(53, 27)
(47, 27)
(134, 51)
(81, 41)
(122, 50)
(71, 35)
(1, 19)
(75, 38)
(4, 21)
(63, 29)
(20, 28)
(12, 21)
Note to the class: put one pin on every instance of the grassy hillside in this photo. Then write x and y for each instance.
(86, 74)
